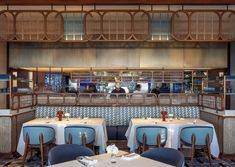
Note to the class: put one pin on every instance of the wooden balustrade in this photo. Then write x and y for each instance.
(212, 101)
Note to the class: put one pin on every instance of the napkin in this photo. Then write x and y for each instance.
(130, 156)
(86, 160)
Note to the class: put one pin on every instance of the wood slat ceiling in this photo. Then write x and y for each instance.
(111, 2)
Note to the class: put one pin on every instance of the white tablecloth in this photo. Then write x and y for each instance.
(97, 123)
(104, 161)
(173, 136)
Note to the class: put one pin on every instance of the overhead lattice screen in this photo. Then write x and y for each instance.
(141, 28)
(7, 26)
(180, 25)
(228, 26)
(92, 26)
(30, 26)
(117, 25)
(54, 26)
(204, 25)
(161, 26)
(73, 26)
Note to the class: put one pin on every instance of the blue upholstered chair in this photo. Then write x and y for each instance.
(37, 136)
(166, 155)
(67, 152)
(148, 136)
(197, 137)
(79, 135)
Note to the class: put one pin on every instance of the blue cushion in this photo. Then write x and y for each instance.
(166, 155)
(121, 131)
(112, 132)
(67, 152)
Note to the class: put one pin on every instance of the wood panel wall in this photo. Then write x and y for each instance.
(11, 128)
(121, 55)
(3, 70)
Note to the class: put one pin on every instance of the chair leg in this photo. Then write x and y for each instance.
(41, 148)
(144, 142)
(26, 147)
(192, 149)
(140, 146)
(208, 148)
(158, 140)
(181, 147)
(70, 139)
(84, 140)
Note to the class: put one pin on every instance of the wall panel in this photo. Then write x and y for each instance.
(119, 55)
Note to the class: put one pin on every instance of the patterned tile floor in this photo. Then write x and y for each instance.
(199, 161)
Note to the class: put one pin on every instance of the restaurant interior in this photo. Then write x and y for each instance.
(104, 83)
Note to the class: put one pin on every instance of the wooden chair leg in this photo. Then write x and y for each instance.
(26, 147)
(192, 149)
(84, 139)
(181, 147)
(158, 140)
(140, 146)
(70, 139)
(208, 148)
(41, 148)
(144, 142)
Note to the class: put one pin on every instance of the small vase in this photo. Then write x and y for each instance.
(60, 117)
(163, 115)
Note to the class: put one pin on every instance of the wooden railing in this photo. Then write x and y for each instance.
(212, 101)
(21, 101)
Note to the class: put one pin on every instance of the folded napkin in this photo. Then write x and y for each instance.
(130, 156)
(86, 160)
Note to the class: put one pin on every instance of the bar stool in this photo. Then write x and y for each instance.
(37, 137)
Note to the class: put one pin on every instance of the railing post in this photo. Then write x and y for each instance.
(36, 101)
(216, 108)
(12, 102)
(63, 98)
(18, 99)
(48, 102)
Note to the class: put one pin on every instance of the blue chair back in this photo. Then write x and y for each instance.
(166, 155)
(77, 132)
(151, 133)
(67, 152)
(200, 133)
(34, 133)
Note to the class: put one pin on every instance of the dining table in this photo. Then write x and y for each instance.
(98, 124)
(104, 160)
(173, 126)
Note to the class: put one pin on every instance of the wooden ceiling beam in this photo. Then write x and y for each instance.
(111, 2)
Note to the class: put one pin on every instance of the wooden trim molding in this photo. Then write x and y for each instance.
(108, 2)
